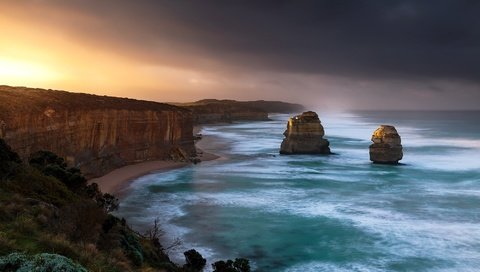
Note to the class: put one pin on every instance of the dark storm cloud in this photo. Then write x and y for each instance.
(338, 54)
(389, 39)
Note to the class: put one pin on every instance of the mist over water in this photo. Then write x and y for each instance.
(326, 213)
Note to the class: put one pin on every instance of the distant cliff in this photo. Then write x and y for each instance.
(209, 111)
(95, 133)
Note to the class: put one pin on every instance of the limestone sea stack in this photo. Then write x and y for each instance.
(304, 135)
(386, 147)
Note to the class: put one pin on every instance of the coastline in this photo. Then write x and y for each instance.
(120, 178)
(117, 180)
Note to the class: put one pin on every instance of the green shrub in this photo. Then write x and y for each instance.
(45, 158)
(44, 262)
(31, 183)
(47, 207)
(132, 248)
(52, 165)
(155, 257)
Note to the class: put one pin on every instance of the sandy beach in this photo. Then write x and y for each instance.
(120, 178)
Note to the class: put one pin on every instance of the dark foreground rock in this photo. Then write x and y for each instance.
(304, 135)
(386, 147)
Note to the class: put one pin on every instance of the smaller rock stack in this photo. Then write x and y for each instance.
(386, 147)
(304, 135)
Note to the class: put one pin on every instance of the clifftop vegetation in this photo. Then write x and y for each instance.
(34, 100)
(51, 219)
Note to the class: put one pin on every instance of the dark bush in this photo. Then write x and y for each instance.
(92, 190)
(33, 184)
(42, 159)
(109, 223)
(107, 202)
(195, 261)
(52, 165)
(9, 161)
(155, 256)
(80, 221)
(47, 207)
(239, 265)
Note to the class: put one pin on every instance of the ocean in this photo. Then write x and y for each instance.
(325, 213)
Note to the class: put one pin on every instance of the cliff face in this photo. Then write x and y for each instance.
(95, 133)
(210, 111)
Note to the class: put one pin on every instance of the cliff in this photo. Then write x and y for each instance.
(304, 135)
(209, 111)
(94, 133)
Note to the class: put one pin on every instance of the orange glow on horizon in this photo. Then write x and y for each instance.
(47, 56)
(17, 72)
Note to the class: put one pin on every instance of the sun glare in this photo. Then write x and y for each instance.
(18, 72)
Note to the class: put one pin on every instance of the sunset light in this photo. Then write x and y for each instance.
(246, 136)
(17, 72)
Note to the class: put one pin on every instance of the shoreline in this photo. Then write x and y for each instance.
(119, 179)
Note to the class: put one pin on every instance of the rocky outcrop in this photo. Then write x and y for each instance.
(304, 135)
(209, 111)
(95, 133)
(386, 147)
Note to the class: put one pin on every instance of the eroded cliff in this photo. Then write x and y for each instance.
(95, 133)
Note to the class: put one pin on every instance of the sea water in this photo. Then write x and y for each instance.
(326, 213)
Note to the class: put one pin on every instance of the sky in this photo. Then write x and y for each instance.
(333, 55)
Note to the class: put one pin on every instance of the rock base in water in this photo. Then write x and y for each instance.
(304, 135)
(386, 147)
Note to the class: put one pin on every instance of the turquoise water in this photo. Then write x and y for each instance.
(326, 213)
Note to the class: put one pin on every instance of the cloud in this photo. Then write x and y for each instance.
(386, 43)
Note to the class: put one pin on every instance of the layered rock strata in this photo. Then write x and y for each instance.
(304, 135)
(95, 133)
(387, 145)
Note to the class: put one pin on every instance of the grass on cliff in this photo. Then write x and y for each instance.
(46, 207)
(51, 219)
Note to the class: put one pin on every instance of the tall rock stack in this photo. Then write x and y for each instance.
(304, 135)
(386, 147)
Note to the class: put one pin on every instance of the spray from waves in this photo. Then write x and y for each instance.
(415, 217)
(332, 267)
(351, 125)
(342, 126)
(407, 236)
